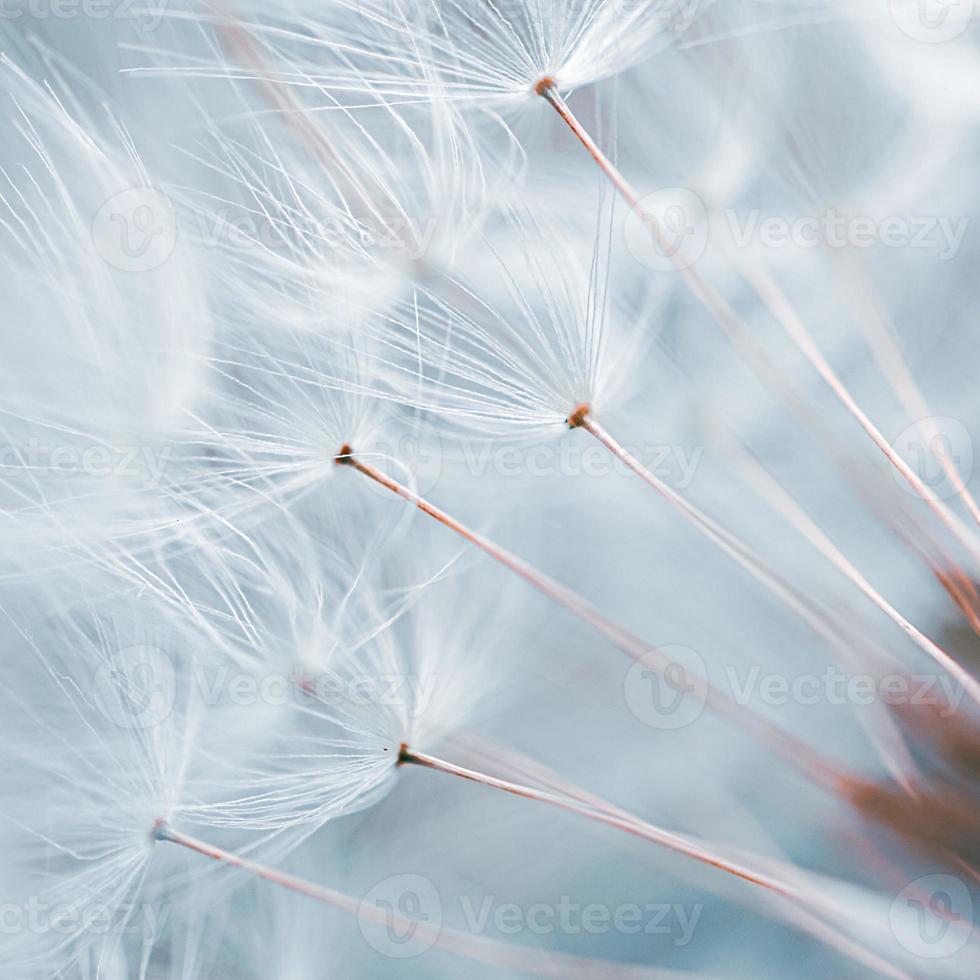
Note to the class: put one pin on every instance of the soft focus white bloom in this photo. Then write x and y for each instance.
(106, 738)
(289, 236)
(308, 205)
(487, 53)
(542, 332)
(347, 655)
(106, 319)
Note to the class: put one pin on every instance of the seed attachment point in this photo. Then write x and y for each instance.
(577, 419)
(544, 85)
(346, 456)
(160, 830)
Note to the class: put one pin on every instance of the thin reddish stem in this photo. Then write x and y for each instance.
(961, 591)
(783, 503)
(546, 89)
(747, 559)
(241, 44)
(781, 309)
(802, 918)
(618, 820)
(732, 546)
(515, 958)
(816, 767)
(621, 820)
(885, 348)
(767, 290)
(328, 896)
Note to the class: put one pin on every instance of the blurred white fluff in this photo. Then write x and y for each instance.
(349, 652)
(105, 739)
(317, 214)
(85, 439)
(254, 569)
(281, 405)
(133, 699)
(464, 50)
(544, 329)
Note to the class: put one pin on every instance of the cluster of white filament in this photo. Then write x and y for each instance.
(398, 281)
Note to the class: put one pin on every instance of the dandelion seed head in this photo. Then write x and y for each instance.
(485, 53)
(107, 737)
(533, 338)
(86, 439)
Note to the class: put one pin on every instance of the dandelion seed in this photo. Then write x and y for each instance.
(486, 54)
(534, 366)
